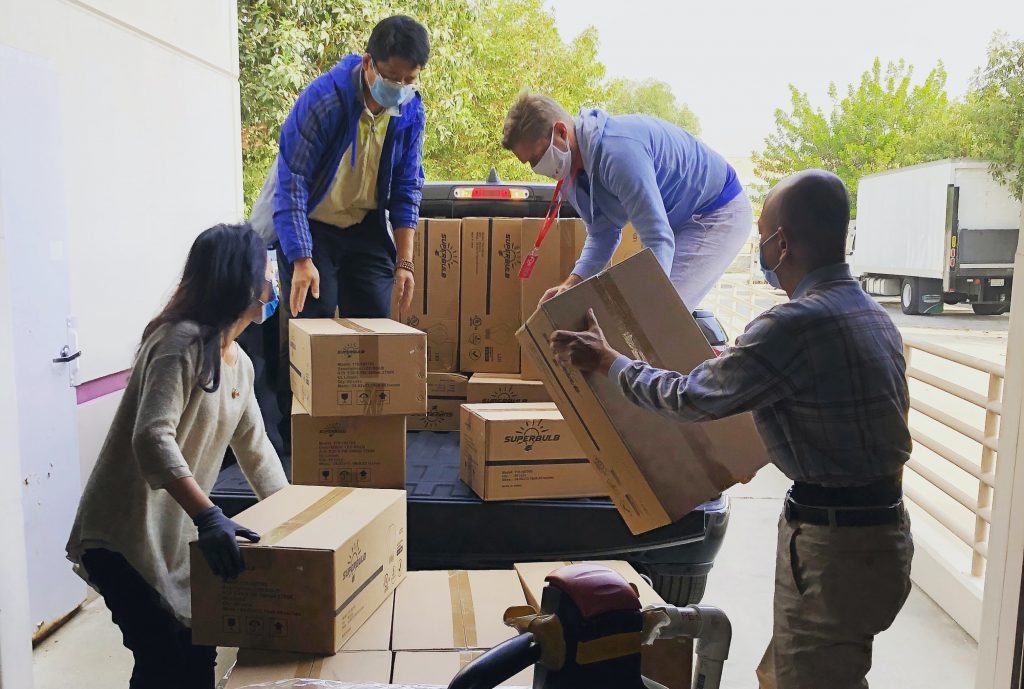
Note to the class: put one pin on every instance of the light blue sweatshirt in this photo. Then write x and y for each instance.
(644, 171)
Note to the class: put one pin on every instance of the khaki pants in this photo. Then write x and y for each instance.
(835, 589)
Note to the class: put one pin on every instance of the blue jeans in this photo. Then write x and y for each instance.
(165, 657)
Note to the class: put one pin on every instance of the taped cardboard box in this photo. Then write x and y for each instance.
(504, 388)
(357, 366)
(440, 667)
(355, 451)
(263, 667)
(667, 661)
(558, 254)
(491, 294)
(657, 470)
(630, 245)
(435, 300)
(523, 451)
(328, 558)
(452, 610)
(446, 393)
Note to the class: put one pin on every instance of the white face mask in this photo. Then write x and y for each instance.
(555, 163)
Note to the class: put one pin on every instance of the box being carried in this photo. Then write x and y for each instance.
(504, 388)
(491, 289)
(357, 366)
(446, 392)
(657, 470)
(523, 451)
(435, 301)
(328, 558)
(355, 451)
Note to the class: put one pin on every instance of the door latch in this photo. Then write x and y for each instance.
(66, 356)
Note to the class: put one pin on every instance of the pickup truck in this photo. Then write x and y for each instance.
(449, 526)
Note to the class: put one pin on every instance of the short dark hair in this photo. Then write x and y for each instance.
(815, 211)
(402, 37)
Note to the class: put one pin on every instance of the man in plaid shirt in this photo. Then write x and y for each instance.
(825, 378)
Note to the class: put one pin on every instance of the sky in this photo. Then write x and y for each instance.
(731, 61)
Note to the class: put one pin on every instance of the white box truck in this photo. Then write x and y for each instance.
(937, 233)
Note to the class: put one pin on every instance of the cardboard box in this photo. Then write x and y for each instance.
(355, 451)
(263, 667)
(629, 245)
(667, 661)
(504, 388)
(446, 392)
(438, 668)
(491, 294)
(357, 366)
(327, 560)
(453, 610)
(656, 470)
(558, 255)
(523, 451)
(435, 301)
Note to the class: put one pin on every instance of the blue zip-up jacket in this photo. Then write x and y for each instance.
(320, 128)
(644, 171)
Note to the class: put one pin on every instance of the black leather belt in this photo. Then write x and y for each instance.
(876, 504)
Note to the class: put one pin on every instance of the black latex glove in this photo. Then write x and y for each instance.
(217, 542)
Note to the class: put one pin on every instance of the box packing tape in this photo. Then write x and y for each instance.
(463, 615)
(290, 526)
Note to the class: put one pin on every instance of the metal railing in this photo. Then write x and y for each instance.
(736, 302)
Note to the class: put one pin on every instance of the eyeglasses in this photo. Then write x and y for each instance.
(409, 82)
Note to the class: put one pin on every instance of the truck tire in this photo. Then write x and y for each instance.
(680, 589)
(990, 309)
(910, 297)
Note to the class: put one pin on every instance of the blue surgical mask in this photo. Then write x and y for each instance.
(268, 307)
(769, 273)
(389, 94)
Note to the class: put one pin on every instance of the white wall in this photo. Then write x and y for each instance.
(151, 121)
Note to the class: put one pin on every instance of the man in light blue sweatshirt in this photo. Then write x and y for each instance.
(683, 199)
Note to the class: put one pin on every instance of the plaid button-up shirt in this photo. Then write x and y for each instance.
(823, 374)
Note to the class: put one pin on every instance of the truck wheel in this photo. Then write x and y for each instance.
(910, 297)
(680, 589)
(990, 309)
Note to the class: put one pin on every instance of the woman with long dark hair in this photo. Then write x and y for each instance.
(190, 396)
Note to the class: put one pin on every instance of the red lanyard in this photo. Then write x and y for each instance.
(556, 203)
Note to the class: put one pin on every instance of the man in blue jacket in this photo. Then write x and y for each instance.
(343, 196)
(683, 199)
(349, 179)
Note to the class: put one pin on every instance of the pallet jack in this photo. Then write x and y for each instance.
(588, 635)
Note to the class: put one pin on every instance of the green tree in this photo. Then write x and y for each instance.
(883, 122)
(650, 97)
(997, 101)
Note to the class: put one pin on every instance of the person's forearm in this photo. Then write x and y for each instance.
(187, 493)
(572, 280)
(404, 240)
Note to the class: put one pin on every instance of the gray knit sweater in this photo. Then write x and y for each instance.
(165, 428)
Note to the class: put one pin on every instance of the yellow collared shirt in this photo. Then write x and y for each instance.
(353, 192)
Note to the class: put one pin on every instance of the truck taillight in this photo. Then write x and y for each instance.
(492, 193)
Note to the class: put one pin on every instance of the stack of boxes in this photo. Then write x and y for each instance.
(470, 301)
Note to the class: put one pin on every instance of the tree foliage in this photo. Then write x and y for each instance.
(997, 111)
(482, 53)
(650, 97)
(883, 122)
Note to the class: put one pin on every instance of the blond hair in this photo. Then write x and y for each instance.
(530, 118)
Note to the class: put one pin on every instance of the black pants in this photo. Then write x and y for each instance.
(357, 276)
(165, 657)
